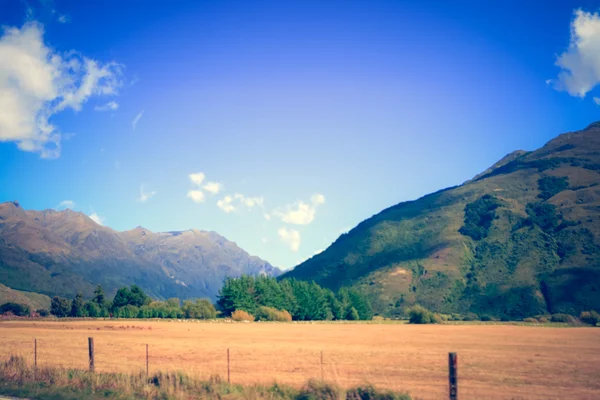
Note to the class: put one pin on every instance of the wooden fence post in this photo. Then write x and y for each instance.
(228, 368)
(34, 358)
(91, 351)
(147, 369)
(322, 374)
(453, 375)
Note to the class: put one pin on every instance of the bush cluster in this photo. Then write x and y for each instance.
(272, 314)
(241, 315)
(590, 317)
(421, 315)
(304, 301)
(131, 302)
(479, 216)
(20, 310)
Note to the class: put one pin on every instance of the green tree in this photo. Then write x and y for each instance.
(92, 309)
(137, 296)
(336, 307)
(361, 303)
(237, 294)
(99, 297)
(78, 306)
(60, 307)
(352, 314)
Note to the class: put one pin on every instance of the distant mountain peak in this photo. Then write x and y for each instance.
(593, 125)
(65, 252)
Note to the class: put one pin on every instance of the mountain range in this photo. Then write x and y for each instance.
(65, 252)
(520, 239)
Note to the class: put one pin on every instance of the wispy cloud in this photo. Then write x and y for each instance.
(597, 100)
(300, 213)
(63, 205)
(145, 196)
(238, 200)
(97, 219)
(225, 204)
(290, 237)
(213, 187)
(37, 82)
(136, 119)
(63, 19)
(580, 63)
(110, 106)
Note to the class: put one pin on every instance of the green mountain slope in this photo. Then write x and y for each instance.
(520, 239)
(35, 301)
(65, 252)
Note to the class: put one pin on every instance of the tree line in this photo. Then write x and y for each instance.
(305, 301)
(131, 302)
(262, 297)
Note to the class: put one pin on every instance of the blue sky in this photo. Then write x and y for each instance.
(279, 124)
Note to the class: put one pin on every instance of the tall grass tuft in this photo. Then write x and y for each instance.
(17, 378)
(241, 315)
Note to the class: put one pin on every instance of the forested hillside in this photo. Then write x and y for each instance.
(520, 239)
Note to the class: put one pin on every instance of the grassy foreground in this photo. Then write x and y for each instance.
(17, 378)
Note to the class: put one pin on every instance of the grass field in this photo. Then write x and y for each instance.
(495, 361)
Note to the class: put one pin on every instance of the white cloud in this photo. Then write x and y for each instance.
(213, 187)
(597, 100)
(300, 213)
(264, 240)
(249, 202)
(63, 205)
(290, 237)
(110, 106)
(136, 119)
(197, 196)
(197, 178)
(63, 19)
(580, 63)
(225, 204)
(97, 219)
(145, 196)
(36, 82)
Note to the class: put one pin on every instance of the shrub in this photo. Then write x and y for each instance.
(530, 320)
(471, 317)
(42, 312)
(272, 314)
(241, 315)
(20, 310)
(486, 318)
(479, 216)
(421, 315)
(202, 309)
(565, 318)
(551, 185)
(543, 320)
(371, 393)
(560, 317)
(317, 390)
(590, 317)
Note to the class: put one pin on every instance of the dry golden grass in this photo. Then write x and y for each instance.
(495, 361)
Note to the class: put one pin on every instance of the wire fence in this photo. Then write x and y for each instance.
(238, 365)
(495, 362)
